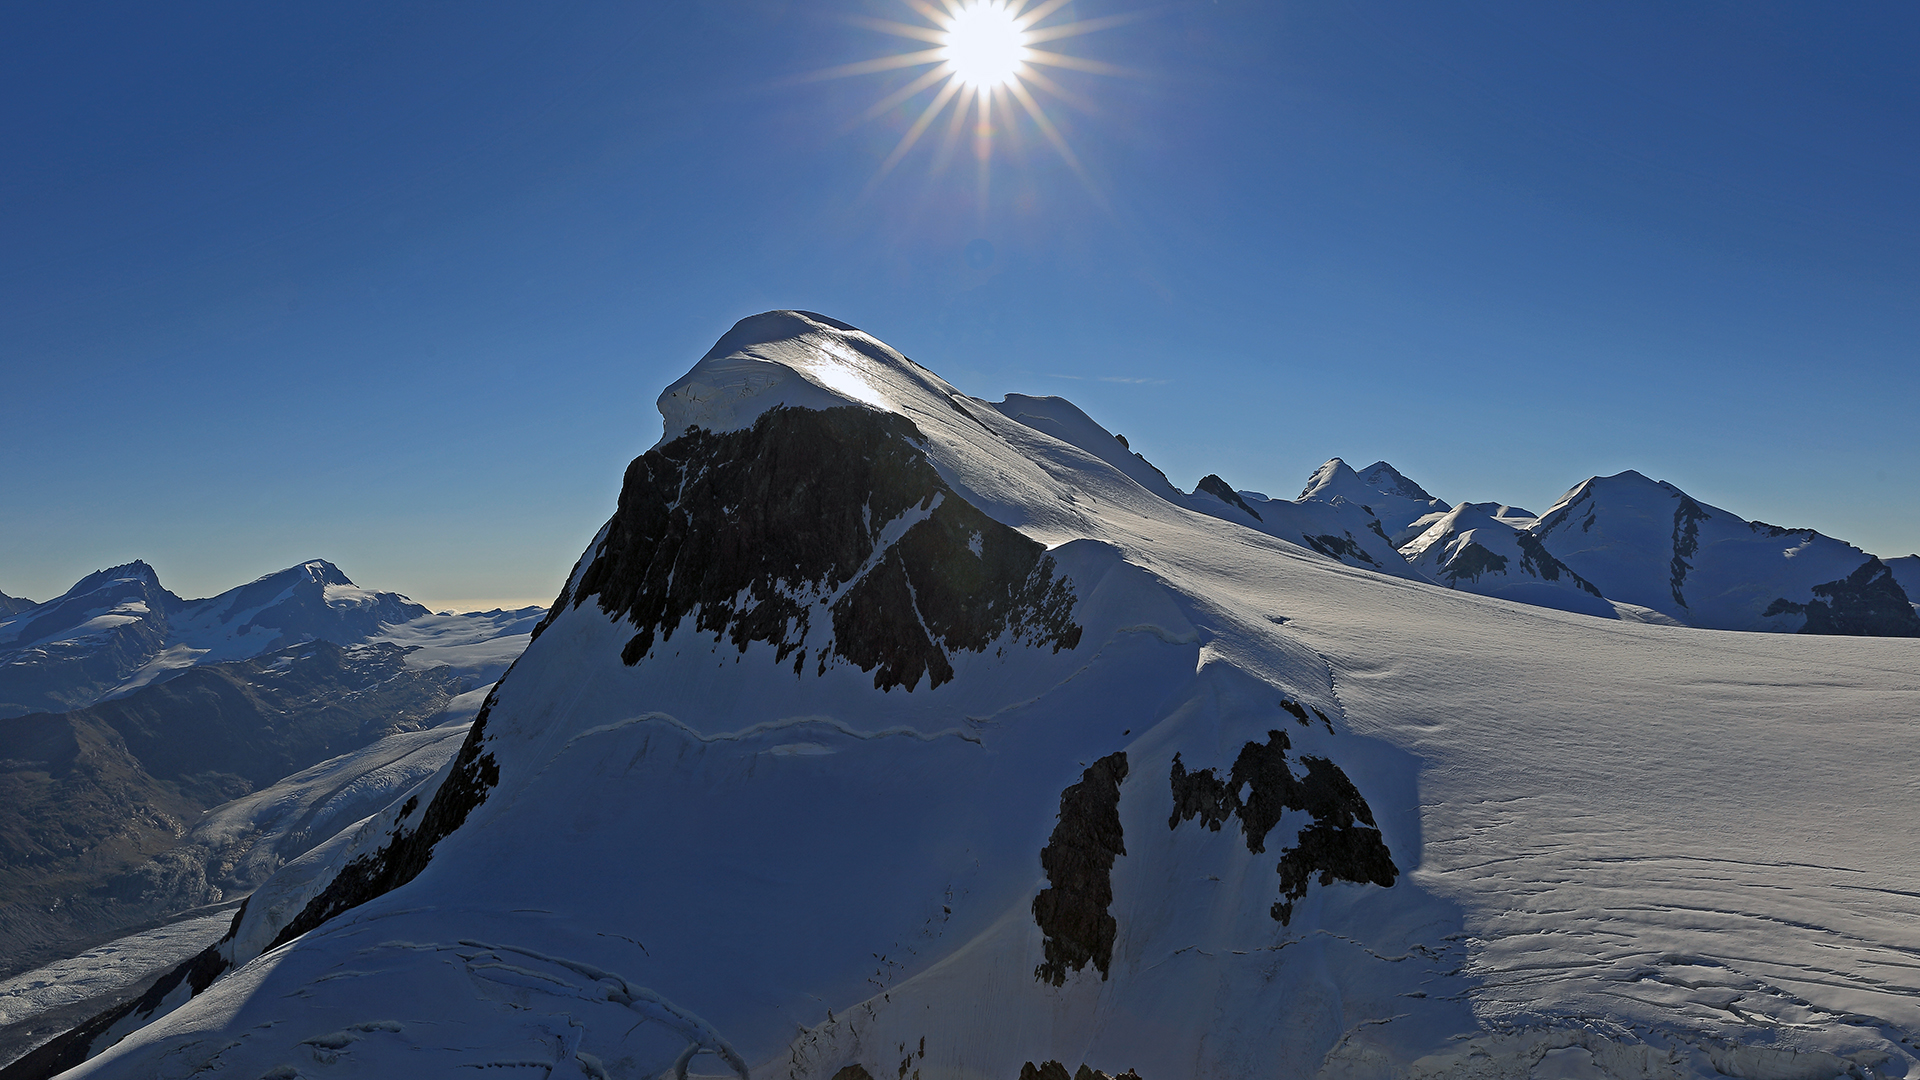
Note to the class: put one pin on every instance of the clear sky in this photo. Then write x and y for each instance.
(396, 284)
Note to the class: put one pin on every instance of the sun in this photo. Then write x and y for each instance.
(982, 59)
(985, 44)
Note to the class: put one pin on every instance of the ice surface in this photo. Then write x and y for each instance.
(101, 971)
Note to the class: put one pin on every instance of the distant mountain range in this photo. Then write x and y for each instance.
(1623, 547)
(127, 713)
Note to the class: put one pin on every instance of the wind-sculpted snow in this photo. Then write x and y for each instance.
(811, 521)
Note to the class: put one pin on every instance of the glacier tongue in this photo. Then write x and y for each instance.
(1617, 849)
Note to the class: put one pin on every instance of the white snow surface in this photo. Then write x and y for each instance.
(264, 830)
(1627, 850)
(106, 968)
(478, 643)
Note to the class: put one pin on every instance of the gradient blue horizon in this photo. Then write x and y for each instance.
(396, 285)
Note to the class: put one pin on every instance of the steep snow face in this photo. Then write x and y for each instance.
(1228, 808)
(1384, 478)
(1648, 543)
(1062, 419)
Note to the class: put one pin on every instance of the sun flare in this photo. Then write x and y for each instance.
(983, 58)
(985, 44)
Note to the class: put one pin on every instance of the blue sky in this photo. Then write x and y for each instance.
(396, 284)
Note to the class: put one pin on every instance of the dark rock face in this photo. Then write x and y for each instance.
(1537, 560)
(1340, 842)
(1686, 540)
(1053, 1070)
(1216, 487)
(1340, 547)
(1078, 860)
(755, 533)
(1867, 602)
(400, 860)
(1470, 562)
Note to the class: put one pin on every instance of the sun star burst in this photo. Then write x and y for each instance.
(981, 53)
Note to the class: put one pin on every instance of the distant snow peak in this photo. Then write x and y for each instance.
(1385, 478)
(1216, 487)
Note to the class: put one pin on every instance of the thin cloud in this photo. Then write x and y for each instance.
(1127, 379)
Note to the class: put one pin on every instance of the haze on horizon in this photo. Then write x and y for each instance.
(397, 286)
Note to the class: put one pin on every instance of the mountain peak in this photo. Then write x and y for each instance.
(791, 358)
(324, 572)
(137, 570)
(1384, 477)
(1335, 477)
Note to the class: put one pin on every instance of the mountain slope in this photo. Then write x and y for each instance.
(1383, 493)
(1648, 543)
(77, 647)
(1324, 519)
(99, 799)
(117, 630)
(878, 733)
(10, 605)
(1471, 547)
(1906, 572)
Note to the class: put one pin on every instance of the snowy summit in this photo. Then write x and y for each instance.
(887, 732)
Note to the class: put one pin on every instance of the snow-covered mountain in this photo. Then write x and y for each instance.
(1648, 543)
(883, 731)
(1382, 493)
(1628, 547)
(1486, 549)
(117, 630)
(185, 704)
(11, 604)
(1906, 572)
(78, 647)
(1333, 516)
